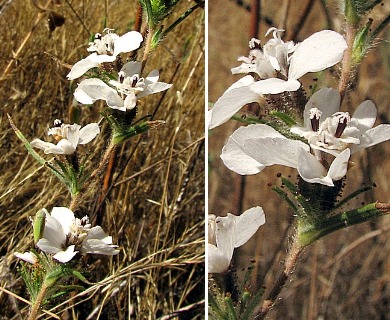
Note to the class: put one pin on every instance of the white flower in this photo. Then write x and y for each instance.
(318, 52)
(128, 89)
(68, 137)
(266, 61)
(28, 256)
(250, 149)
(227, 233)
(105, 48)
(331, 131)
(65, 236)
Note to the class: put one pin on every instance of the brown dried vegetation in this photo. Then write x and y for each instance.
(152, 211)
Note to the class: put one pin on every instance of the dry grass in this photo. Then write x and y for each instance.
(333, 280)
(155, 209)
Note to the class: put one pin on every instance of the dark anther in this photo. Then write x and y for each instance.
(58, 123)
(315, 123)
(98, 36)
(135, 81)
(341, 126)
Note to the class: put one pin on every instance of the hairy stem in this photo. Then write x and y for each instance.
(147, 46)
(37, 303)
(104, 160)
(347, 67)
(291, 261)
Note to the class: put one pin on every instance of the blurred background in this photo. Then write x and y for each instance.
(346, 274)
(155, 208)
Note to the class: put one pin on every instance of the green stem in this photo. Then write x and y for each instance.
(38, 301)
(104, 160)
(181, 19)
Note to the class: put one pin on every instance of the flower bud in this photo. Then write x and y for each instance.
(39, 225)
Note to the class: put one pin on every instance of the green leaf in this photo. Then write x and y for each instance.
(307, 234)
(288, 120)
(31, 151)
(215, 308)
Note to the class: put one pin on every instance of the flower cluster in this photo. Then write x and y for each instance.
(277, 68)
(65, 235)
(320, 149)
(250, 149)
(123, 93)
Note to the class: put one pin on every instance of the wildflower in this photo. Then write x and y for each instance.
(227, 233)
(128, 89)
(65, 236)
(267, 61)
(279, 66)
(331, 131)
(250, 149)
(28, 256)
(68, 137)
(105, 48)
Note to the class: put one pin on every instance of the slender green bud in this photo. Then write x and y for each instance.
(351, 13)
(39, 225)
(361, 43)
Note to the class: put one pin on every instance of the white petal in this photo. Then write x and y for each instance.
(238, 161)
(98, 233)
(96, 246)
(217, 261)
(46, 146)
(73, 136)
(65, 145)
(128, 42)
(154, 88)
(225, 236)
(311, 170)
(152, 76)
(338, 168)
(319, 51)
(93, 88)
(365, 115)
(243, 82)
(27, 256)
(372, 137)
(229, 103)
(82, 67)
(65, 217)
(88, 132)
(131, 68)
(65, 256)
(114, 101)
(130, 101)
(48, 246)
(264, 145)
(247, 224)
(327, 100)
(274, 86)
(101, 58)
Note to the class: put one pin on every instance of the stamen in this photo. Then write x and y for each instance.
(315, 115)
(344, 118)
(121, 75)
(254, 44)
(135, 81)
(57, 123)
(98, 36)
